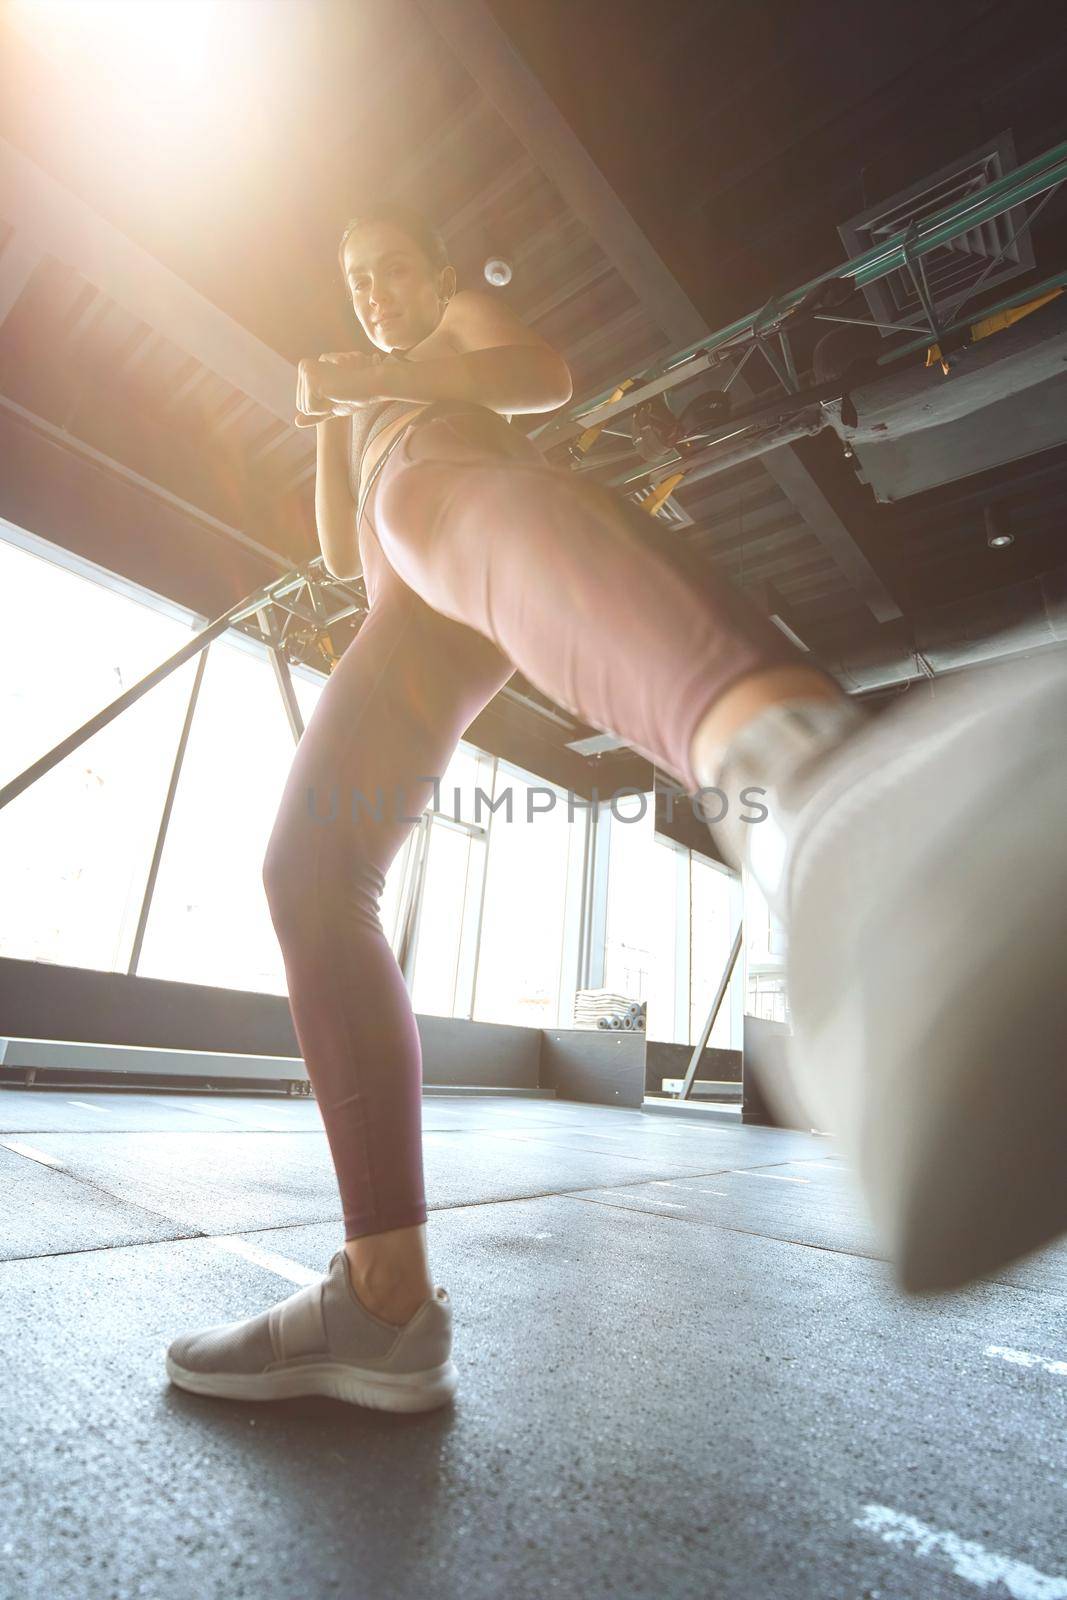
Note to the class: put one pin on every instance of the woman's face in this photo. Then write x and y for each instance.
(395, 293)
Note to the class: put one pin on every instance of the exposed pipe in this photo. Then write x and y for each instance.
(1025, 616)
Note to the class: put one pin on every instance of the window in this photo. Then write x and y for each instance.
(530, 884)
(715, 915)
(482, 903)
(642, 946)
(449, 910)
(210, 922)
(76, 846)
(765, 986)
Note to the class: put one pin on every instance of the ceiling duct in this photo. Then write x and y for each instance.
(951, 269)
(1006, 398)
(1023, 617)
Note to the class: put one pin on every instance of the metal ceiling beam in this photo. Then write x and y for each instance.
(481, 44)
(411, 172)
(469, 28)
(575, 285)
(69, 442)
(53, 221)
(477, 210)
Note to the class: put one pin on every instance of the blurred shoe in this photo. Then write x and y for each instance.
(323, 1340)
(924, 894)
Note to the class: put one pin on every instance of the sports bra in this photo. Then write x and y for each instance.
(367, 423)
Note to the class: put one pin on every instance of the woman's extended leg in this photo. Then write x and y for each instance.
(886, 844)
(596, 602)
(387, 721)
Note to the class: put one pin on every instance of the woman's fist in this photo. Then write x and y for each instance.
(313, 406)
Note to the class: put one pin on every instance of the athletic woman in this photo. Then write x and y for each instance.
(480, 558)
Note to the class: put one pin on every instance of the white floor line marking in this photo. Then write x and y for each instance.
(778, 1177)
(685, 1190)
(1023, 1358)
(968, 1560)
(294, 1271)
(85, 1106)
(34, 1155)
(646, 1199)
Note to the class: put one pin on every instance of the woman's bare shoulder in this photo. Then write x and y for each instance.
(473, 320)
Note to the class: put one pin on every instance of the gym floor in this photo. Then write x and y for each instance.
(684, 1370)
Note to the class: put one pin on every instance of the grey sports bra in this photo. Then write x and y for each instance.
(367, 423)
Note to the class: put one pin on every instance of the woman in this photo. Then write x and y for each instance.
(479, 558)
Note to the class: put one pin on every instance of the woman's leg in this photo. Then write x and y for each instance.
(388, 719)
(604, 610)
(596, 602)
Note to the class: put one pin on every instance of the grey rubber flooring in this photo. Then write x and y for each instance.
(684, 1371)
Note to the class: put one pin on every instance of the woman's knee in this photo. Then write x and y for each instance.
(288, 880)
(314, 874)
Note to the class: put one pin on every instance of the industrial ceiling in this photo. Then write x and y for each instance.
(649, 173)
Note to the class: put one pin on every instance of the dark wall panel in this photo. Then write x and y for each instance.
(665, 1060)
(600, 1067)
(78, 1004)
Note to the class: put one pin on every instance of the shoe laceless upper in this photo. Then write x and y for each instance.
(323, 1321)
(782, 753)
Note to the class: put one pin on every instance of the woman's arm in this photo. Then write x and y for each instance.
(479, 351)
(507, 378)
(335, 510)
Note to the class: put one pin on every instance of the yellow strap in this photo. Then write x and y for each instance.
(1004, 319)
(586, 440)
(664, 491)
(993, 324)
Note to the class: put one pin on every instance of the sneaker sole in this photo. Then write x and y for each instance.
(935, 1036)
(405, 1391)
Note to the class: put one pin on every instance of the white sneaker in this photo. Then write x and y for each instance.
(925, 900)
(323, 1340)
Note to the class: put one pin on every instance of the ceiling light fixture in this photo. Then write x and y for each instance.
(497, 271)
(998, 534)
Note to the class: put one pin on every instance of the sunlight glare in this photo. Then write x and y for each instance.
(159, 50)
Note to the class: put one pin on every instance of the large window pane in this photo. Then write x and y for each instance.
(640, 951)
(447, 921)
(715, 914)
(68, 647)
(468, 769)
(210, 922)
(76, 846)
(446, 941)
(519, 962)
(765, 985)
(308, 686)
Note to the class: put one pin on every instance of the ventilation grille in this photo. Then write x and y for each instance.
(952, 269)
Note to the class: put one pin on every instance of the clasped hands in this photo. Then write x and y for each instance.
(346, 392)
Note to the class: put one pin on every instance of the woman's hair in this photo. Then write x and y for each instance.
(414, 224)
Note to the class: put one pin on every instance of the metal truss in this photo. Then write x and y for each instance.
(768, 330)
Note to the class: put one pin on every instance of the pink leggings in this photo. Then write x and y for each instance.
(479, 558)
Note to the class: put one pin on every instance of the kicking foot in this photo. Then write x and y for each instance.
(925, 901)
